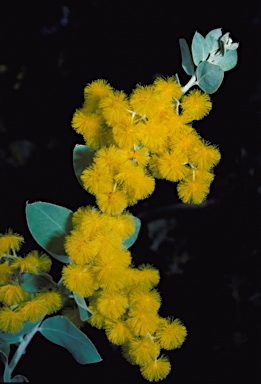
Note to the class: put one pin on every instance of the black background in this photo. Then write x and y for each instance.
(209, 256)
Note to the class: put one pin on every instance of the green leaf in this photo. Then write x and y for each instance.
(187, 62)
(33, 283)
(84, 311)
(200, 48)
(19, 379)
(13, 338)
(209, 77)
(212, 39)
(82, 158)
(49, 224)
(61, 331)
(228, 61)
(131, 239)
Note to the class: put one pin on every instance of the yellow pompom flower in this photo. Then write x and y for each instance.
(123, 225)
(184, 142)
(94, 92)
(143, 100)
(53, 300)
(112, 304)
(111, 201)
(80, 250)
(79, 279)
(90, 126)
(138, 156)
(12, 294)
(96, 178)
(193, 191)
(10, 241)
(97, 320)
(41, 262)
(156, 369)
(110, 159)
(147, 276)
(142, 322)
(168, 88)
(143, 299)
(171, 165)
(196, 105)
(126, 133)
(171, 334)
(11, 321)
(154, 134)
(117, 332)
(114, 107)
(5, 270)
(34, 310)
(141, 350)
(89, 221)
(204, 156)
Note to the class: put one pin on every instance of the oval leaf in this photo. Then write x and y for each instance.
(82, 158)
(49, 224)
(131, 240)
(33, 283)
(200, 48)
(209, 77)
(84, 311)
(19, 379)
(187, 62)
(61, 331)
(228, 61)
(212, 38)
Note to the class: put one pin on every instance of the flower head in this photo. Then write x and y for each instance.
(156, 369)
(10, 241)
(196, 105)
(11, 320)
(171, 334)
(79, 279)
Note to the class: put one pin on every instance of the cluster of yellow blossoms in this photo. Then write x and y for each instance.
(135, 139)
(19, 305)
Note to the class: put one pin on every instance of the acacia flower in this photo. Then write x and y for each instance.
(142, 322)
(111, 201)
(12, 294)
(143, 299)
(41, 262)
(11, 320)
(171, 165)
(5, 270)
(156, 369)
(171, 334)
(126, 133)
(204, 156)
(95, 179)
(97, 320)
(196, 105)
(112, 304)
(79, 279)
(168, 88)
(10, 241)
(80, 250)
(114, 107)
(147, 276)
(34, 310)
(153, 134)
(193, 191)
(141, 350)
(53, 300)
(143, 100)
(110, 159)
(117, 332)
(123, 225)
(94, 92)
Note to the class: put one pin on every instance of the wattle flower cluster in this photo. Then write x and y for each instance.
(134, 139)
(20, 304)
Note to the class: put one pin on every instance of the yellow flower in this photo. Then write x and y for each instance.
(97, 320)
(53, 300)
(5, 270)
(196, 105)
(96, 178)
(143, 100)
(204, 156)
(42, 261)
(169, 88)
(156, 370)
(11, 321)
(171, 166)
(88, 125)
(80, 250)
(126, 133)
(117, 332)
(10, 241)
(171, 334)
(94, 92)
(143, 299)
(153, 135)
(34, 310)
(12, 294)
(193, 191)
(141, 350)
(147, 276)
(123, 225)
(79, 279)
(184, 142)
(139, 156)
(89, 221)
(142, 322)
(114, 107)
(112, 304)
(110, 201)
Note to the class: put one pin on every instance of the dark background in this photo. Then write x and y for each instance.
(208, 255)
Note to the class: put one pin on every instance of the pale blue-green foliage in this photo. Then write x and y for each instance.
(82, 158)
(209, 58)
(33, 283)
(61, 331)
(84, 311)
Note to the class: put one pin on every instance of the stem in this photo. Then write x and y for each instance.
(19, 353)
(192, 81)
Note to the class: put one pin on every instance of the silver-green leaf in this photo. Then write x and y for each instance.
(209, 77)
(200, 48)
